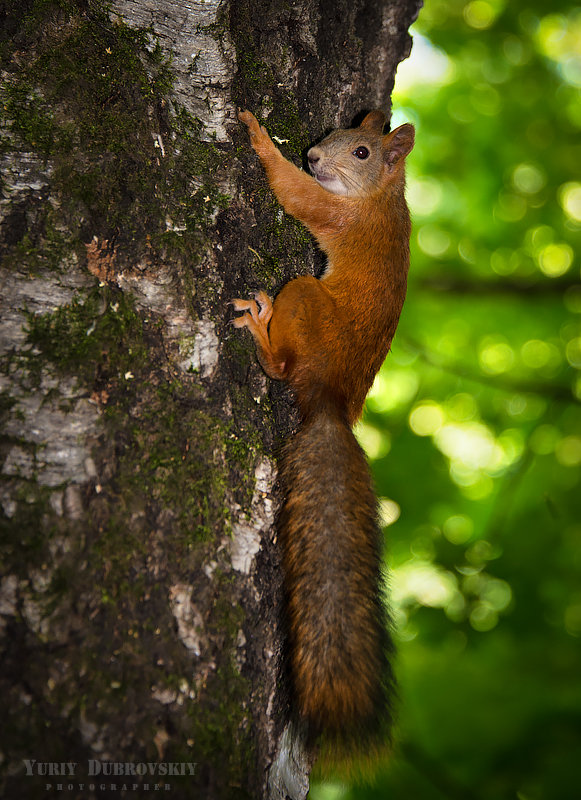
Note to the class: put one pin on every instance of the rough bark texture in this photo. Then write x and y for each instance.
(140, 580)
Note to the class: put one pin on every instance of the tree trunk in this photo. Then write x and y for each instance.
(140, 589)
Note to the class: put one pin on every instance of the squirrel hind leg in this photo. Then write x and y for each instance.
(257, 323)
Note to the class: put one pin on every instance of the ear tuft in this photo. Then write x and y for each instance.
(398, 143)
(374, 121)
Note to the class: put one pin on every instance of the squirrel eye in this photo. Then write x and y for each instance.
(361, 152)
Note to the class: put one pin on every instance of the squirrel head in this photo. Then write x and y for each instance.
(360, 161)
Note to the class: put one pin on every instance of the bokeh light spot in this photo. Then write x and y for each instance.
(555, 259)
(426, 419)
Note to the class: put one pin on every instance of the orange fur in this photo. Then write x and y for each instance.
(327, 339)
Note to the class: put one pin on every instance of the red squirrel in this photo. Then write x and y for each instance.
(327, 339)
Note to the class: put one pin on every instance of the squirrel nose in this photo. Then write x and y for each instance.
(312, 157)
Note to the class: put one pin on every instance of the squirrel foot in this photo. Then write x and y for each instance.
(256, 320)
(254, 317)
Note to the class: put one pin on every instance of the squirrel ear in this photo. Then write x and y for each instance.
(398, 143)
(374, 121)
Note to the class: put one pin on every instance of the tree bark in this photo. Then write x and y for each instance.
(140, 588)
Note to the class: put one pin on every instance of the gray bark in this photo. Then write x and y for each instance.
(140, 582)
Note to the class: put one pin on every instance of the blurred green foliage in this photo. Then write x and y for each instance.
(474, 424)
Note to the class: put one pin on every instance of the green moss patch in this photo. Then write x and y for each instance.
(92, 101)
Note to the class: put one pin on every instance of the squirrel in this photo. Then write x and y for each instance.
(327, 338)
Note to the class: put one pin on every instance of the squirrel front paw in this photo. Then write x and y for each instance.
(259, 138)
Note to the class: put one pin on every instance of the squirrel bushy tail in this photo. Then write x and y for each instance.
(339, 643)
